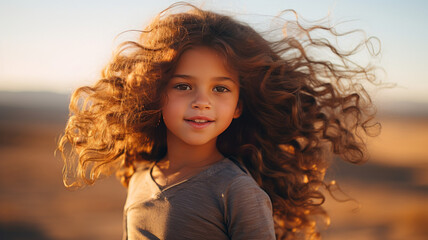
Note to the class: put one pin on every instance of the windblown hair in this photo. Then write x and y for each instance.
(298, 109)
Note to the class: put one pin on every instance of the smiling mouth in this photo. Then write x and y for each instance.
(198, 123)
(198, 120)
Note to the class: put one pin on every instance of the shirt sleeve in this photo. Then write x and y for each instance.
(248, 210)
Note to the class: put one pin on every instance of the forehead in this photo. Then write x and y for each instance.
(204, 61)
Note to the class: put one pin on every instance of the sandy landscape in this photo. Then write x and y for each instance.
(392, 188)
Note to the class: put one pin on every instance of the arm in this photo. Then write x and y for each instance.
(248, 210)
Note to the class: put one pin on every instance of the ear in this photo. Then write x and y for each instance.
(238, 110)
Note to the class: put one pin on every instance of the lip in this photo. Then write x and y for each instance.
(200, 118)
(197, 125)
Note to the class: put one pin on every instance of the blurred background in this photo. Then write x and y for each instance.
(49, 48)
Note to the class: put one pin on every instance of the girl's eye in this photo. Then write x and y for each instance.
(220, 89)
(182, 87)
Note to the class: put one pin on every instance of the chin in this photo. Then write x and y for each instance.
(197, 142)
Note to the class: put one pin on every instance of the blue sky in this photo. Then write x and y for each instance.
(59, 45)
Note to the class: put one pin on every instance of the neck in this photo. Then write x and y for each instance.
(181, 154)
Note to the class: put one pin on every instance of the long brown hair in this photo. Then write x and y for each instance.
(298, 108)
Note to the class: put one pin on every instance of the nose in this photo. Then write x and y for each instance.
(201, 101)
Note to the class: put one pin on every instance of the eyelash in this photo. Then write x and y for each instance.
(180, 85)
(225, 89)
(184, 87)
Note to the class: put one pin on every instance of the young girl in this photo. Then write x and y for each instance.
(217, 132)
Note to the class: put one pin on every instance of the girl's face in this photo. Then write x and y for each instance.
(202, 97)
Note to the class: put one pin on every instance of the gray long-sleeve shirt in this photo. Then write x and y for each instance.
(220, 202)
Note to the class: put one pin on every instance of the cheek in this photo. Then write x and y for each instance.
(233, 102)
(172, 109)
(228, 108)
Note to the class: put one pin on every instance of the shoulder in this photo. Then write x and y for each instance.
(228, 171)
(244, 184)
(244, 191)
(237, 185)
(236, 177)
(141, 170)
(247, 208)
(139, 185)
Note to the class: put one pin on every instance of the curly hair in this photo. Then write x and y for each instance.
(298, 109)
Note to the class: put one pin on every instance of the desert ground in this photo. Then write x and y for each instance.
(391, 189)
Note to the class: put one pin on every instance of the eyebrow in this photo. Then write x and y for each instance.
(223, 78)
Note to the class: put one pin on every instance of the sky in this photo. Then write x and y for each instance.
(59, 45)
